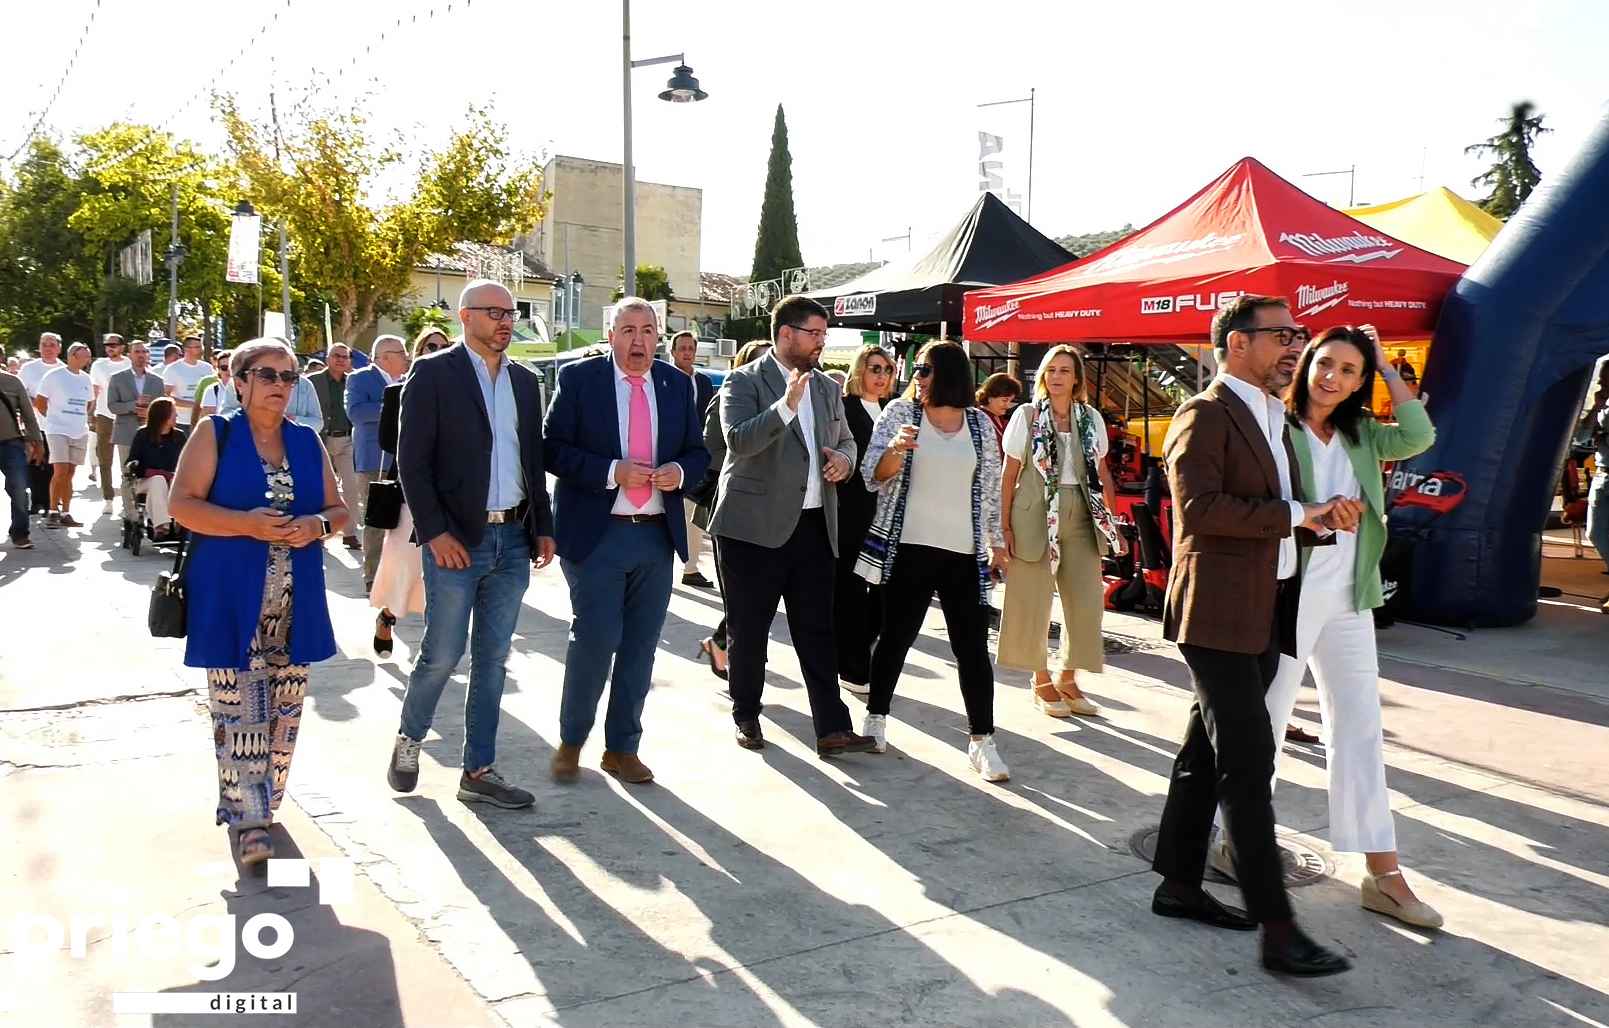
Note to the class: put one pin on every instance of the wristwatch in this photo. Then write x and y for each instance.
(329, 529)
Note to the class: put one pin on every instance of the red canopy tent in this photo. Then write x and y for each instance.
(1249, 231)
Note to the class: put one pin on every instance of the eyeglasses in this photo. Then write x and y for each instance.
(1286, 337)
(879, 369)
(924, 370)
(818, 334)
(433, 347)
(495, 313)
(268, 376)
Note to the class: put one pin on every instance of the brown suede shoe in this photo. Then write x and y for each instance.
(844, 742)
(626, 767)
(566, 763)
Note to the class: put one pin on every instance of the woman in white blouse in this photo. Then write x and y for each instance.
(1056, 492)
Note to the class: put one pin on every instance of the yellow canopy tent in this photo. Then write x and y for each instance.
(1442, 222)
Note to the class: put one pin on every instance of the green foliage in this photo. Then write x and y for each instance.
(49, 275)
(776, 247)
(653, 283)
(415, 321)
(1513, 175)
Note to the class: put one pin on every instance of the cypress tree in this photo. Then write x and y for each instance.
(1513, 175)
(776, 248)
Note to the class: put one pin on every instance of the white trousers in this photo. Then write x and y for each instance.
(155, 491)
(1336, 642)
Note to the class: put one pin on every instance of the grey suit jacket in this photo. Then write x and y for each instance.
(120, 397)
(762, 484)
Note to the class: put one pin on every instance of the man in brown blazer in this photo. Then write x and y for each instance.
(1231, 607)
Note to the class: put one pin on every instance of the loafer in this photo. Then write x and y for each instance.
(748, 735)
(835, 743)
(1200, 907)
(566, 765)
(491, 787)
(1417, 913)
(697, 580)
(351, 543)
(1301, 957)
(626, 767)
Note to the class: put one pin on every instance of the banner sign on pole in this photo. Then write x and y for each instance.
(245, 243)
(134, 260)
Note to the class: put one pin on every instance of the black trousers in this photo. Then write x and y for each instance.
(1227, 758)
(39, 487)
(857, 617)
(919, 572)
(800, 574)
(719, 635)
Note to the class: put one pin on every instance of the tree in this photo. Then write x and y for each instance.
(355, 252)
(776, 247)
(1513, 175)
(436, 317)
(49, 276)
(653, 283)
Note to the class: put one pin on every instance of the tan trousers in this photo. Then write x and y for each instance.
(103, 453)
(1025, 616)
(695, 539)
(350, 482)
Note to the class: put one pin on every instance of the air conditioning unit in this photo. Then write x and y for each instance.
(726, 347)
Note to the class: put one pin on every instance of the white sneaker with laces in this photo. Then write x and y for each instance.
(985, 760)
(876, 726)
(107, 509)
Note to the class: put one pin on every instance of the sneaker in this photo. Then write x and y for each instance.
(876, 726)
(53, 519)
(489, 787)
(403, 774)
(858, 688)
(107, 509)
(22, 543)
(985, 760)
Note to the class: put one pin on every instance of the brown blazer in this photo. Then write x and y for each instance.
(1228, 519)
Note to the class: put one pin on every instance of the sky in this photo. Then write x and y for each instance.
(1137, 104)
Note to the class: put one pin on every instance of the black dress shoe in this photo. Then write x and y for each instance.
(748, 735)
(1301, 957)
(834, 743)
(1200, 907)
(697, 580)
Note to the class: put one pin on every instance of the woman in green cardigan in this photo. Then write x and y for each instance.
(1339, 450)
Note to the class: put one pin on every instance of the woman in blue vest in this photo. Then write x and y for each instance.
(258, 493)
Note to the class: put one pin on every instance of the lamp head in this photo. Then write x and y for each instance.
(683, 87)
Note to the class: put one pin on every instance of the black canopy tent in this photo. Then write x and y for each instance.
(990, 246)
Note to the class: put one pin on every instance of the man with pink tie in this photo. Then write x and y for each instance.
(623, 435)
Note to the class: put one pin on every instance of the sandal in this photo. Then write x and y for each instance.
(254, 846)
(1053, 704)
(382, 645)
(708, 648)
(1077, 702)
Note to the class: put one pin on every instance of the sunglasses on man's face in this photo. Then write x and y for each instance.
(268, 376)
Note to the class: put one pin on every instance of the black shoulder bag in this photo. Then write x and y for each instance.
(168, 615)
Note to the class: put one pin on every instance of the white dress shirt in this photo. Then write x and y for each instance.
(1269, 414)
(1333, 567)
(807, 424)
(656, 501)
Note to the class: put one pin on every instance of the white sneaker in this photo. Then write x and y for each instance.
(858, 688)
(985, 760)
(876, 726)
(107, 509)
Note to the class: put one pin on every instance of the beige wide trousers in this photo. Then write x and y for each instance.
(1025, 617)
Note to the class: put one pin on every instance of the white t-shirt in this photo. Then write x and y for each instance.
(210, 397)
(67, 395)
(938, 508)
(182, 379)
(1333, 567)
(1020, 429)
(100, 373)
(33, 372)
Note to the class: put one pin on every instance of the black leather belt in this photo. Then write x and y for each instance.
(504, 517)
(638, 519)
(337, 435)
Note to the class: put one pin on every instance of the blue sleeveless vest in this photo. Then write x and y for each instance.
(224, 576)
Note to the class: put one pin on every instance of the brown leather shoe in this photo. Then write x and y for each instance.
(626, 767)
(566, 763)
(844, 742)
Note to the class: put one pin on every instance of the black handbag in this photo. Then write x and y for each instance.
(382, 507)
(168, 614)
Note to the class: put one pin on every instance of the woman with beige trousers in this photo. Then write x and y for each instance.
(1056, 533)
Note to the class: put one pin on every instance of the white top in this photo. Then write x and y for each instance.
(807, 424)
(938, 504)
(872, 408)
(100, 373)
(67, 395)
(1333, 567)
(33, 372)
(209, 398)
(1269, 414)
(182, 379)
(656, 502)
(1020, 429)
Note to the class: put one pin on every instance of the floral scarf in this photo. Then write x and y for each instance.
(1044, 444)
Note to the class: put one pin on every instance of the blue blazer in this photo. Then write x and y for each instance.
(364, 388)
(225, 575)
(583, 438)
(444, 447)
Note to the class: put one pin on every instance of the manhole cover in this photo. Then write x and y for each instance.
(1303, 864)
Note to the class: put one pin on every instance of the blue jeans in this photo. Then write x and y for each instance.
(618, 597)
(490, 589)
(1598, 514)
(14, 466)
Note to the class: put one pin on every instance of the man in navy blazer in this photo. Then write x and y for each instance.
(365, 388)
(623, 436)
(469, 455)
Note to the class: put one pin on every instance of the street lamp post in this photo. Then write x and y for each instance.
(682, 88)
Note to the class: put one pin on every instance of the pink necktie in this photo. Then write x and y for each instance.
(639, 439)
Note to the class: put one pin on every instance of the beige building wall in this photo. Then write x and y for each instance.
(583, 230)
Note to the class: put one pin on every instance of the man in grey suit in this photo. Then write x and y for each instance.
(777, 520)
(128, 394)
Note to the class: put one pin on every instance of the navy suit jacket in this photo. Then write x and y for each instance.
(582, 434)
(364, 390)
(444, 447)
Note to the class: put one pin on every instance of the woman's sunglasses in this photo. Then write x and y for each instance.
(268, 376)
(433, 347)
(924, 370)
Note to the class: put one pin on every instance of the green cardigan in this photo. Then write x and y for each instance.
(1410, 436)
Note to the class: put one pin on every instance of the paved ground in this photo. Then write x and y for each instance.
(773, 888)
